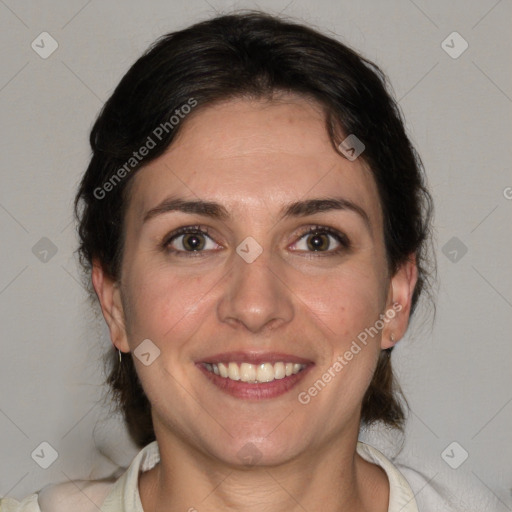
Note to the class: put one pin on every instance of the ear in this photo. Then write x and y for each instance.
(109, 295)
(398, 307)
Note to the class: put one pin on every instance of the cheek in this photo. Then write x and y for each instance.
(349, 305)
(347, 300)
(161, 303)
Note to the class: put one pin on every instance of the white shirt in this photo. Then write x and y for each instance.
(122, 495)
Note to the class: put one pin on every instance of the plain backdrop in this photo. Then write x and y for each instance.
(455, 371)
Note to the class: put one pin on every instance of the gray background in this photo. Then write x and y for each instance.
(456, 374)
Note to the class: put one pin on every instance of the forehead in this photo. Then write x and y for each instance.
(254, 154)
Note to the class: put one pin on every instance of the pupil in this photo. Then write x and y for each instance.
(193, 242)
(316, 242)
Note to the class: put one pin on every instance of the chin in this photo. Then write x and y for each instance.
(250, 451)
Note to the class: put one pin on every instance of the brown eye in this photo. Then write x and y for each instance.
(318, 242)
(322, 240)
(193, 242)
(189, 240)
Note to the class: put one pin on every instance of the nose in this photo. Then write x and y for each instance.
(256, 296)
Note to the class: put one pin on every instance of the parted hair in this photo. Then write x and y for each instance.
(253, 55)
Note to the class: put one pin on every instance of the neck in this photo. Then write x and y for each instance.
(334, 476)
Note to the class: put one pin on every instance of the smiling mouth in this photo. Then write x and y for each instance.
(254, 373)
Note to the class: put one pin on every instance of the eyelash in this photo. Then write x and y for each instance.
(312, 230)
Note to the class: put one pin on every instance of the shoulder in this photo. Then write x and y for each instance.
(88, 495)
(76, 496)
(428, 492)
(448, 492)
(435, 485)
(434, 493)
(79, 496)
(29, 504)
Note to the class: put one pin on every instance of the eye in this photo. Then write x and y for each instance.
(322, 239)
(189, 239)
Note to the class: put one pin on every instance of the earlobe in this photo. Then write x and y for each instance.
(109, 296)
(401, 292)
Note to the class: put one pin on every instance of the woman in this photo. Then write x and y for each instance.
(255, 222)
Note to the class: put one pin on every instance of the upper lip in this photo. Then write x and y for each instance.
(254, 358)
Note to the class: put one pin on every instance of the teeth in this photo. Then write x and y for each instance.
(233, 371)
(247, 372)
(223, 370)
(279, 371)
(254, 373)
(265, 373)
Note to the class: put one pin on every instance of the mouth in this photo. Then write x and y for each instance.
(254, 376)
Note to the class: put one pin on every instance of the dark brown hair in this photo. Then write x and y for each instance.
(250, 55)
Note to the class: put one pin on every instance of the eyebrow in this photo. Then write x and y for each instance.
(217, 211)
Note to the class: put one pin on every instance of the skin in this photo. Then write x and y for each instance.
(253, 157)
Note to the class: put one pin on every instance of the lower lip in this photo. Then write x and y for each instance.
(255, 391)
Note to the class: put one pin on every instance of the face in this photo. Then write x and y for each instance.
(253, 262)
